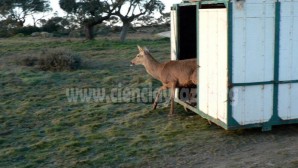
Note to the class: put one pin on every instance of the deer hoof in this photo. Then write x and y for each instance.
(210, 123)
(185, 109)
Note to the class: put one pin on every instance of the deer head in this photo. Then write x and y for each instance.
(141, 56)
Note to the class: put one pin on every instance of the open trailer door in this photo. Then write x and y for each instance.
(174, 32)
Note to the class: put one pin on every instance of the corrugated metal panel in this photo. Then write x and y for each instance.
(288, 93)
(288, 106)
(289, 41)
(252, 104)
(174, 36)
(253, 42)
(213, 63)
(253, 60)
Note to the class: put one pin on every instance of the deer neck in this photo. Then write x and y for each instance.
(152, 67)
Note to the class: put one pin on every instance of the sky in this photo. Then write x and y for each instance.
(56, 8)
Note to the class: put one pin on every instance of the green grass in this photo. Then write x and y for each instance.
(40, 128)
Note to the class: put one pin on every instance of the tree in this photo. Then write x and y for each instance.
(89, 12)
(7, 27)
(149, 20)
(136, 8)
(5, 6)
(18, 10)
(54, 24)
(40, 19)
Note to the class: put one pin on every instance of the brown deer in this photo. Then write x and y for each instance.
(172, 74)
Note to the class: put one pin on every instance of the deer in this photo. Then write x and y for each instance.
(172, 74)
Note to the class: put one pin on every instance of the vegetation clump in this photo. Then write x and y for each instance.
(58, 59)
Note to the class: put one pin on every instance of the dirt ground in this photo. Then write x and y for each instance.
(243, 149)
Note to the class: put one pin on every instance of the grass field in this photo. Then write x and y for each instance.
(40, 128)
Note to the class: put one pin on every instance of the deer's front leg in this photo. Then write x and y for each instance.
(157, 96)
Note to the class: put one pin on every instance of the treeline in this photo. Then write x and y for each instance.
(84, 18)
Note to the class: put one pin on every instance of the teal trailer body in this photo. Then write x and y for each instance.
(248, 56)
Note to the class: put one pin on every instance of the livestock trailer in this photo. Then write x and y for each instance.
(247, 51)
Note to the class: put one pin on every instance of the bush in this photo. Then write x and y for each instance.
(58, 59)
(28, 30)
(19, 35)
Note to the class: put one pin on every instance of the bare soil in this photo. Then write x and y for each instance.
(243, 149)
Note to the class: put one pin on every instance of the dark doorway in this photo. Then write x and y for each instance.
(187, 32)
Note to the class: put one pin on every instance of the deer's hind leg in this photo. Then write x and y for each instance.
(194, 77)
(173, 88)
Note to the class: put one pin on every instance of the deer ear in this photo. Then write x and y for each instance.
(140, 49)
(146, 49)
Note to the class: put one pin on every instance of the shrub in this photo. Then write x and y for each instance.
(19, 35)
(58, 60)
